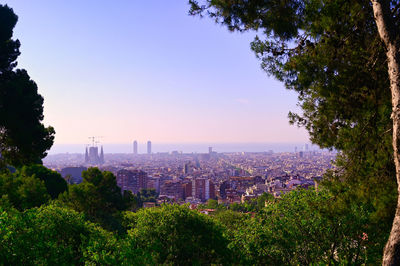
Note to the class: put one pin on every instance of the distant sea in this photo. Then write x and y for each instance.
(187, 147)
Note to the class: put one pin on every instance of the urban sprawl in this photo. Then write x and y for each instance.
(195, 178)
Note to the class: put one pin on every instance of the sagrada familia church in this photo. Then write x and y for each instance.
(92, 155)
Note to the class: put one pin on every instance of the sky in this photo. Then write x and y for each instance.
(145, 70)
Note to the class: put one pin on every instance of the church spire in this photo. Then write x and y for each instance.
(86, 156)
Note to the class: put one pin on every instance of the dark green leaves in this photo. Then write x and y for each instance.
(23, 137)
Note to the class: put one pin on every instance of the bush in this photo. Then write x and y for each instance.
(174, 234)
(52, 236)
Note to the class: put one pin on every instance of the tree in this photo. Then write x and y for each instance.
(22, 192)
(23, 137)
(9, 49)
(99, 197)
(52, 235)
(212, 204)
(233, 223)
(174, 234)
(306, 227)
(147, 195)
(53, 181)
(387, 20)
(331, 53)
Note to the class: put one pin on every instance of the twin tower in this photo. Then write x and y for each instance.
(135, 147)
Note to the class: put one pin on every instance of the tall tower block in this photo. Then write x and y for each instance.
(149, 147)
(135, 151)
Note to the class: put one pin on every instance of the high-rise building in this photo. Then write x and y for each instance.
(187, 189)
(133, 180)
(209, 150)
(187, 169)
(306, 147)
(149, 147)
(135, 147)
(203, 189)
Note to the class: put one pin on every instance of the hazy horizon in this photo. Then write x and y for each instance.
(187, 147)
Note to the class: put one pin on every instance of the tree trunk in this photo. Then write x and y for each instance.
(389, 35)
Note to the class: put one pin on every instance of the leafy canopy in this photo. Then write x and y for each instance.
(331, 54)
(21, 191)
(174, 234)
(99, 197)
(52, 235)
(53, 181)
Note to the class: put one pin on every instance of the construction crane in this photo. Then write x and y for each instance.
(94, 139)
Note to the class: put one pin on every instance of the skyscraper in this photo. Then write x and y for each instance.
(306, 147)
(135, 147)
(149, 147)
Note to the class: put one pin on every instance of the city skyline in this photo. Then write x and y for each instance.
(160, 132)
(172, 79)
(204, 147)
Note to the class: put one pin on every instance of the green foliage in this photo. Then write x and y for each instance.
(99, 197)
(233, 223)
(281, 18)
(306, 227)
(335, 62)
(212, 204)
(378, 206)
(258, 204)
(254, 205)
(331, 54)
(22, 192)
(53, 181)
(52, 236)
(147, 195)
(174, 234)
(232, 220)
(23, 137)
(29, 187)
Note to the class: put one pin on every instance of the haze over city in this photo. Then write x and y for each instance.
(170, 78)
(158, 132)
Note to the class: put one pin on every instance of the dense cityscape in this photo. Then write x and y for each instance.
(197, 177)
(299, 167)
